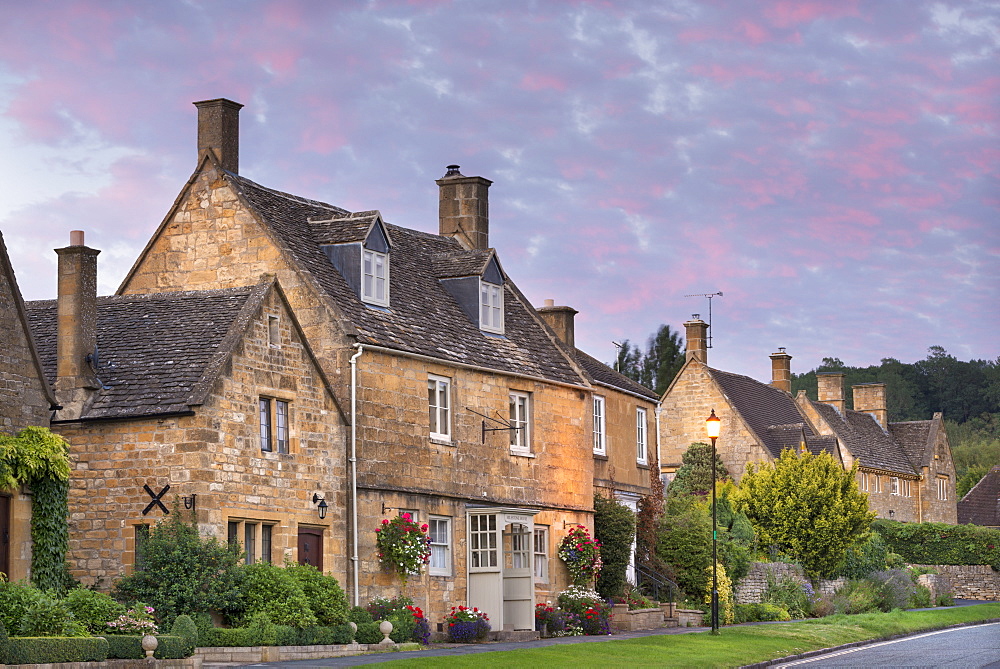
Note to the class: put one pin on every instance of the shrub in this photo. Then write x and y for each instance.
(786, 592)
(921, 598)
(725, 586)
(15, 600)
(938, 543)
(93, 609)
(403, 625)
(325, 596)
(594, 613)
(857, 596)
(865, 558)
(269, 589)
(895, 588)
(359, 615)
(684, 543)
(224, 637)
(325, 636)
(421, 626)
(48, 616)
(614, 531)
(185, 628)
(181, 571)
(945, 599)
(762, 612)
(368, 633)
(382, 608)
(262, 630)
(137, 620)
(45, 650)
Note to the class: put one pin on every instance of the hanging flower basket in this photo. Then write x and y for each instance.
(403, 545)
(581, 554)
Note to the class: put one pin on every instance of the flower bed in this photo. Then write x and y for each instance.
(467, 625)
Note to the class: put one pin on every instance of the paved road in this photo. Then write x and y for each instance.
(975, 646)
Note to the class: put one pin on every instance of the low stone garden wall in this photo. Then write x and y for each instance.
(977, 581)
(255, 654)
(623, 620)
(752, 587)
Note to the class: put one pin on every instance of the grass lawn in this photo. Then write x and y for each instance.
(736, 646)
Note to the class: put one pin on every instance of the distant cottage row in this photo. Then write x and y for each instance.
(295, 372)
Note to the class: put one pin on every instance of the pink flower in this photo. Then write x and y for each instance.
(385, 521)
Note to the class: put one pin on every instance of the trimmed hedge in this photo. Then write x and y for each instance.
(938, 543)
(129, 647)
(283, 635)
(48, 649)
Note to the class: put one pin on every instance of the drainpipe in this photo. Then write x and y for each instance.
(659, 462)
(354, 471)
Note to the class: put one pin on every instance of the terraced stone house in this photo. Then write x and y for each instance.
(905, 468)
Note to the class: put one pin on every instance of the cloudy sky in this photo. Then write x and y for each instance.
(830, 166)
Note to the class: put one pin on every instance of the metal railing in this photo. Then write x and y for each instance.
(654, 584)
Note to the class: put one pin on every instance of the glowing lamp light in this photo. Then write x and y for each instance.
(712, 425)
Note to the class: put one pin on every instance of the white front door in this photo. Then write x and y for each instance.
(500, 568)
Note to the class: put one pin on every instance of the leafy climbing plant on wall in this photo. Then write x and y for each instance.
(40, 459)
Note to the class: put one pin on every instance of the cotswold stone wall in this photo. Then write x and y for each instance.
(752, 587)
(977, 581)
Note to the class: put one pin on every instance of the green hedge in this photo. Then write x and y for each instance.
(283, 636)
(938, 543)
(129, 647)
(46, 649)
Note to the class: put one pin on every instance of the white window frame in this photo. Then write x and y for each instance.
(519, 406)
(434, 523)
(540, 553)
(641, 447)
(372, 281)
(863, 481)
(484, 544)
(600, 426)
(877, 483)
(438, 412)
(942, 488)
(274, 417)
(491, 307)
(894, 485)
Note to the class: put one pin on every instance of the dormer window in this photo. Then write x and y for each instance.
(375, 278)
(490, 307)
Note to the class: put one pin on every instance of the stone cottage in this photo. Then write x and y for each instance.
(906, 468)
(464, 408)
(26, 399)
(205, 402)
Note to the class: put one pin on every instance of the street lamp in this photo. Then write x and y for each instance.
(712, 425)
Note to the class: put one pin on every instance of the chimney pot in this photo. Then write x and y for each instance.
(453, 171)
(550, 303)
(76, 238)
(781, 370)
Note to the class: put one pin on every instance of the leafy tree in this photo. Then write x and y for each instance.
(806, 506)
(182, 572)
(969, 480)
(614, 529)
(684, 543)
(694, 476)
(658, 365)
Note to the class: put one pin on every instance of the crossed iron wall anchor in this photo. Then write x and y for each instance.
(507, 427)
(156, 497)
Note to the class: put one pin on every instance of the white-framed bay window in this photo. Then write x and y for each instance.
(439, 407)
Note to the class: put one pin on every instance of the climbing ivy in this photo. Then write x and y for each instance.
(40, 459)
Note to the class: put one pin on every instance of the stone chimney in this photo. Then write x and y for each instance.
(696, 333)
(219, 131)
(831, 390)
(560, 319)
(870, 398)
(76, 326)
(463, 209)
(781, 370)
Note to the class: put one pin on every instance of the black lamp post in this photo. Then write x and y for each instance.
(712, 425)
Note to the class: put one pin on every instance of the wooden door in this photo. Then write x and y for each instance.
(311, 546)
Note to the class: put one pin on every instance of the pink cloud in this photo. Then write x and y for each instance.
(788, 13)
(539, 82)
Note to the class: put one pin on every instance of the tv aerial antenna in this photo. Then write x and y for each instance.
(709, 296)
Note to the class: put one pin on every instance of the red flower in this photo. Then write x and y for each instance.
(385, 521)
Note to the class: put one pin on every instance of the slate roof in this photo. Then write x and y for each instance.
(866, 440)
(981, 505)
(423, 317)
(766, 410)
(607, 376)
(158, 353)
(915, 438)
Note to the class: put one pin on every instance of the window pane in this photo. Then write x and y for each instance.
(440, 543)
(281, 410)
(265, 543)
(541, 553)
(250, 541)
(265, 424)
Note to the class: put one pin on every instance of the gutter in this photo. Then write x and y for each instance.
(354, 473)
